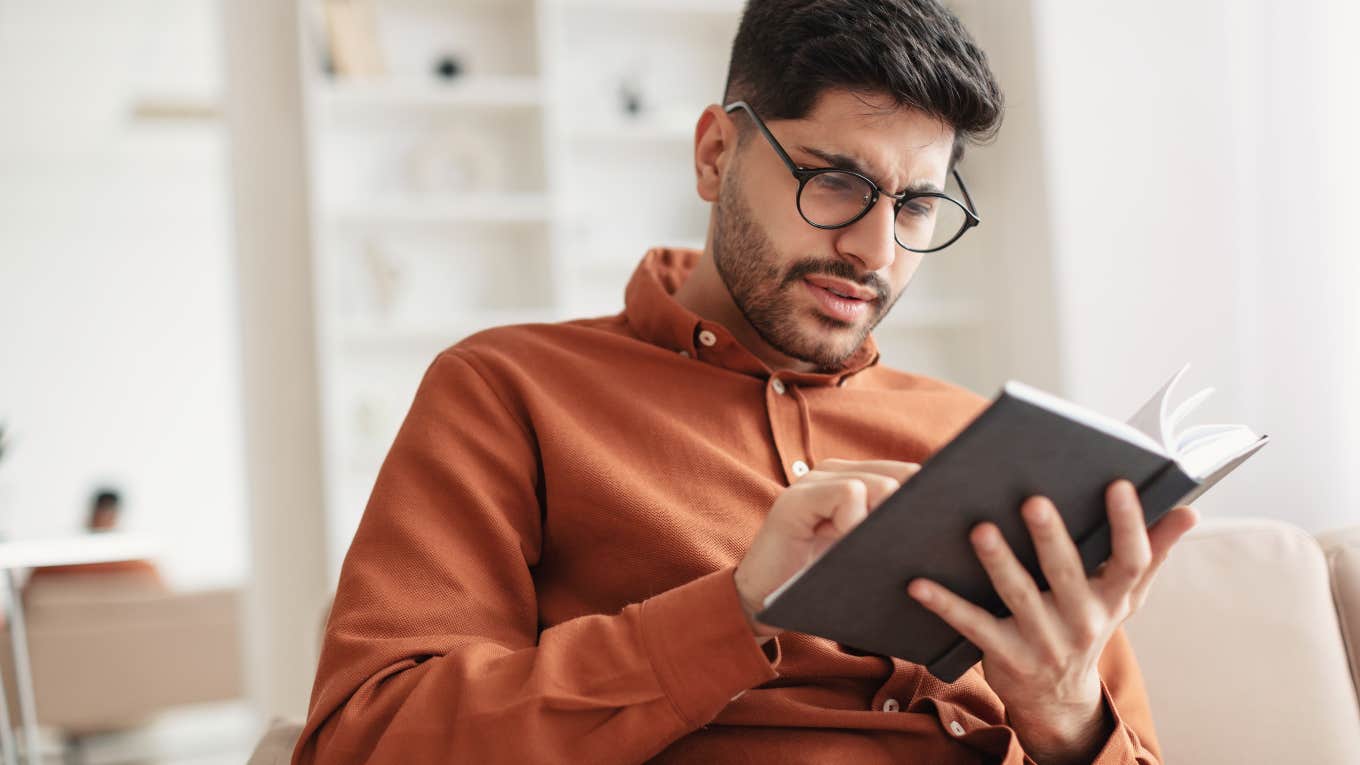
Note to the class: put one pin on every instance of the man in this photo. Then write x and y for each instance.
(565, 547)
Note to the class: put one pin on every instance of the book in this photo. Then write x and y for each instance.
(352, 30)
(1025, 442)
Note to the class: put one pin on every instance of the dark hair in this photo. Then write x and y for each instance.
(787, 52)
(104, 499)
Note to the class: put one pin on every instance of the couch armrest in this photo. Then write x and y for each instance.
(1242, 652)
(1342, 548)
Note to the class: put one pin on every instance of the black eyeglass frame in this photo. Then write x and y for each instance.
(804, 174)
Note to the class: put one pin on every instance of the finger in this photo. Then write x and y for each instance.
(891, 468)
(1131, 552)
(1165, 533)
(821, 509)
(971, 621)
(1013, 583)
(880, 486)
(1058, 557)
(1170, 528)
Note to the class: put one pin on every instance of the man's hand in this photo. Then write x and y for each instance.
(1041, 660)
(806, 518)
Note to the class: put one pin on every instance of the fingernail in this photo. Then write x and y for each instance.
(920, 591)
(985, 539)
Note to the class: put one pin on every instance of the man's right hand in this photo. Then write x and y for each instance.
(806, 518)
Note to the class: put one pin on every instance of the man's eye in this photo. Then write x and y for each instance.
(918, 208)
(833, 182)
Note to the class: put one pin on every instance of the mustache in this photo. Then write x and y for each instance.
(837, 269)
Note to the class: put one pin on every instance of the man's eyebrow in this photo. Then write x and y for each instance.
(846, 162)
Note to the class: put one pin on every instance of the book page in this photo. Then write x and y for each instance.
(1152, 418)
(1204, 448)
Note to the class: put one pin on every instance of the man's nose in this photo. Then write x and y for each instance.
(871, 240)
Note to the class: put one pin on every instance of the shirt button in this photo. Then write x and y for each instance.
(778, 386)
(708, 338)
(800, 468)
(891, 705)
(685, 354)
(956, 728)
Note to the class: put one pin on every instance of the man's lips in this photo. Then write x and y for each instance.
(844, 309)
(848, 290)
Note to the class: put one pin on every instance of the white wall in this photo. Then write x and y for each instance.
(118, 355)
(1189, 147)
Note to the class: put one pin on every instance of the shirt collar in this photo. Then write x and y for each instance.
(654, 314)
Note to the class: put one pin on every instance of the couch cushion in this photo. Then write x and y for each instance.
(1342, 548)
(1242, 652)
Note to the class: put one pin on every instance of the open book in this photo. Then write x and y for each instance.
(1199, 450)
(1026, 442)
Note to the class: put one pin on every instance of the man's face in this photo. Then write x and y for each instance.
(765, 251)
(104, 519)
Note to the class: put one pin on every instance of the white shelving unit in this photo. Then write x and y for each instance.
(522, 190)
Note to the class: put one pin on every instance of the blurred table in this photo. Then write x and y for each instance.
(101, 547)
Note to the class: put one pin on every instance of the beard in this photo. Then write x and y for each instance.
(768, 292)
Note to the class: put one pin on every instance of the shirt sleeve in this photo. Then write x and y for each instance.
(433, 651)
(1133, 740)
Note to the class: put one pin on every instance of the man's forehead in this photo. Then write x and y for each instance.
(907, 148)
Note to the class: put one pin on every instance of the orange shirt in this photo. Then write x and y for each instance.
(543, 572)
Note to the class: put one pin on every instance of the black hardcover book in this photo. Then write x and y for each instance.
(1026, 442)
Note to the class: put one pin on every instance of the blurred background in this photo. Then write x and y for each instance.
(233, 235)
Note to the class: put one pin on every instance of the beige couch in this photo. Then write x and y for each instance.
(1249, 643)
(108, 651)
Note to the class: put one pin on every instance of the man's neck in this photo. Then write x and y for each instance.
(704, 293)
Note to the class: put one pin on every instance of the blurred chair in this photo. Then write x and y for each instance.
(1249, 643)
(276, 748)
(108, 651)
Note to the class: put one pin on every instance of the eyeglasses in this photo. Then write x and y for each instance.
(831, 197)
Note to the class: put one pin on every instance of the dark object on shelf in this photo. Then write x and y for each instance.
(630, 97)
(449, 67)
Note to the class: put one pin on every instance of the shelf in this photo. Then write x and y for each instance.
(634, 131)
(724, 7)
(490, 208)
(469, 92)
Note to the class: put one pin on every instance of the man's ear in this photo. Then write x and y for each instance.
(715, 143)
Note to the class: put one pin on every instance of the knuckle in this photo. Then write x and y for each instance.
(1049, 657)
(852, 489)
(1017, 666)
(1088, 631)
(1131, 567)
(1065, 576)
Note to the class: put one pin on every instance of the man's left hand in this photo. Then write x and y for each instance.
(1042, 659)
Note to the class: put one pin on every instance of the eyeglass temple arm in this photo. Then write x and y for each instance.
(972, 208)
(788, 161)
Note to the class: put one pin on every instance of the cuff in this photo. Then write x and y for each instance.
(701, 646)
(1123, 746)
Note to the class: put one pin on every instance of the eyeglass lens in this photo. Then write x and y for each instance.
(924, 223)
